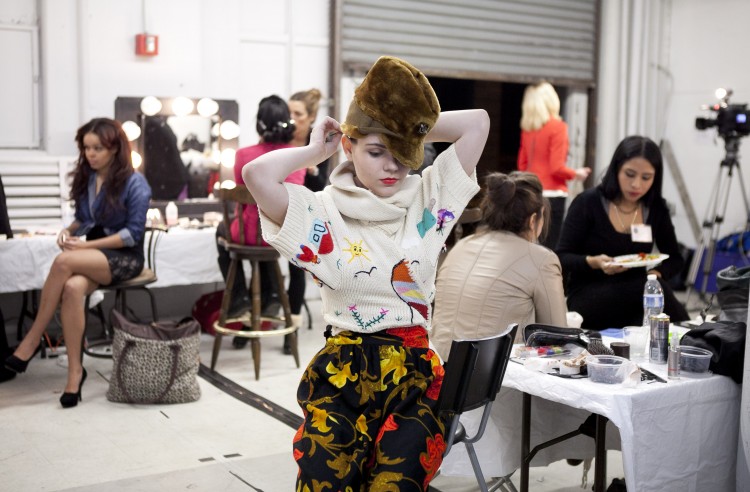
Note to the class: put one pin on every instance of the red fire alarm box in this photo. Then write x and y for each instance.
(146, 44)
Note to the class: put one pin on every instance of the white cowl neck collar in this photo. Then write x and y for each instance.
(361, 204)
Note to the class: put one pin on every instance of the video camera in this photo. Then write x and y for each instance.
(731, 120)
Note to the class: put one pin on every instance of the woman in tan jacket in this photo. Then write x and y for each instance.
(500, 275)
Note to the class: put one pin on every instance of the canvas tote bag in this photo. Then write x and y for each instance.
(154, 363)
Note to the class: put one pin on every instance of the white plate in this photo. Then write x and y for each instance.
(632, 261)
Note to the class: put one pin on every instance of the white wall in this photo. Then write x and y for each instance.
(660, 61)
(224, 49)
(707, 45)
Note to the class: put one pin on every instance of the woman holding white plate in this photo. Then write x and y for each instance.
(616, 233)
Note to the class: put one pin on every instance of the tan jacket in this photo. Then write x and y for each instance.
(492, 279)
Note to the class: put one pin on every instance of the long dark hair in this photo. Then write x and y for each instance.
(273, 122)
(631, 148)
(112, 137)
(510, 200)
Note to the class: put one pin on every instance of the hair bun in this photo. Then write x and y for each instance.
(500, 189)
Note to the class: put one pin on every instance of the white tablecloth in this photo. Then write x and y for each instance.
(679, 436)
(183, 257)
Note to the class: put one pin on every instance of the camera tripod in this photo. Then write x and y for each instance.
(717, 207)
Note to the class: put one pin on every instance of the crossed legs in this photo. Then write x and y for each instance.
(74, 274)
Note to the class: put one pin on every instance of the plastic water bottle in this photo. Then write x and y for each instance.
(171, 214)
(653, 299)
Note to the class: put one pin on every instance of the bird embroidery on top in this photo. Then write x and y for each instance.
(357, 250)
(444, 216)
(428, 220)
(408, 290)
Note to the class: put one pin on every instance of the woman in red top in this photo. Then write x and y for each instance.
(276, 130)
(544, 151)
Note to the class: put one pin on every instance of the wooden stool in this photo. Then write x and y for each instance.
(254, 254)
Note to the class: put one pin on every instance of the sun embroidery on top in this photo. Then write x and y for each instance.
(357, 250)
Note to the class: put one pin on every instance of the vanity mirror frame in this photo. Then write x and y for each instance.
(128, 108)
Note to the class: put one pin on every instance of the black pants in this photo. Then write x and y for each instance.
(557, 214)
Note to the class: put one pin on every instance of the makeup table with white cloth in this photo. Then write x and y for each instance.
(183, 257)
(675, 436)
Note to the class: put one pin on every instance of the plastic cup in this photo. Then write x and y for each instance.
(637, 338)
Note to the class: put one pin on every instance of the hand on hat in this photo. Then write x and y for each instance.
(326, 134)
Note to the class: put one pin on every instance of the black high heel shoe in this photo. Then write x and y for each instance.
(17, 365)
(68, 400)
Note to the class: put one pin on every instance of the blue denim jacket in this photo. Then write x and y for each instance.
(129, 222)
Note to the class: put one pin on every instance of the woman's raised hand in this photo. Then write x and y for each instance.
(327, 135)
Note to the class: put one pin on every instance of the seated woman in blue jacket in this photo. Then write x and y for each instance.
(111, 201)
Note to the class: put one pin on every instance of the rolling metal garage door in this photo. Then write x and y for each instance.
(477, 39)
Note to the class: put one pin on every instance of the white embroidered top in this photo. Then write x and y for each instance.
(374, 258)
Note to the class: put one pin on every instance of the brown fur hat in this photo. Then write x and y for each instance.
(397, 101)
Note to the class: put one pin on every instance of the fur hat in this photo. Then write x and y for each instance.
(397, 101)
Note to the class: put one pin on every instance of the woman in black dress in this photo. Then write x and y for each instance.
(625, 214)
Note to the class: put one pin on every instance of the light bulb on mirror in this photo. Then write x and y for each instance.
(228, 184)
(150, 105)
(136, 159)
(182, 106)
(227, 158)
(229, 130)
(132, 130)
(216, 156)
(207, 107)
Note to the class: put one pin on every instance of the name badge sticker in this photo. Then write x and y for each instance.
(641, 233)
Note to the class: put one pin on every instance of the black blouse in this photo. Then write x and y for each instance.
(587, 231)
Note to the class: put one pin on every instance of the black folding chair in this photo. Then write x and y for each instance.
(473, 374)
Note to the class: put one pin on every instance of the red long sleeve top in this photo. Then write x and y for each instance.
(544, 152)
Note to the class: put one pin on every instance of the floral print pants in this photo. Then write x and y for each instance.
(369, 403)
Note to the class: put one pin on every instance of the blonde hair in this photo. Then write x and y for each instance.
(311, 100)
(540, 103)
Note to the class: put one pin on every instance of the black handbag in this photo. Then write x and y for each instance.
(726, 341)
(154, 363)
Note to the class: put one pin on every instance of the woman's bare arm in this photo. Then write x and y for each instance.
(468, 129)
(264, 176)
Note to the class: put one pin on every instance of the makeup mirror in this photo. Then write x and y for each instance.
(182, 145)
